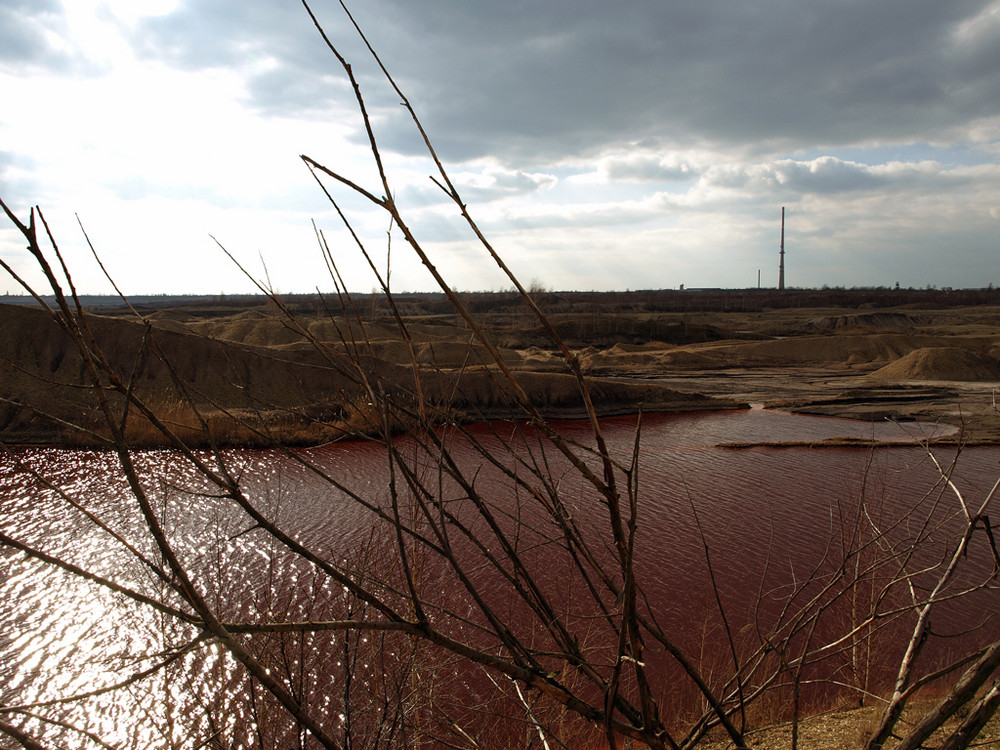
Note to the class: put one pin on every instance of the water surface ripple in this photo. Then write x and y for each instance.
(758, 514)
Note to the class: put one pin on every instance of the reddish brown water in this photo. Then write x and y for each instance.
(767, 516)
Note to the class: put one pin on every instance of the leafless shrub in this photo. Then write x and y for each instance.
(545, 638)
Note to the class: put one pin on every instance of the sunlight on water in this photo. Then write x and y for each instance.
(65, 637)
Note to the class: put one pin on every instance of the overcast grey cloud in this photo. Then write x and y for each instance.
(24, 38)
(547, 79)
(572, 75)
(671, 132)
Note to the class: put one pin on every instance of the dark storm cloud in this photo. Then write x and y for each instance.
(718, 72)
(564, 77)
(26, 34)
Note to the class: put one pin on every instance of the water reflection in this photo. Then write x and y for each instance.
(64, 636)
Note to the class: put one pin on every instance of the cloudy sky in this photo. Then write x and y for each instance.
(641, 144)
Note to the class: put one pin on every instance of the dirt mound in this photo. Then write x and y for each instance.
(869, 321)
(654, 358)
(541, 360)
(45, 381)
(276, 331)
(305, 392)
(941, 363)
(652, 346)
(846, 349)
(694, 360)
(851, 349)
(481, 394)
(615, 360)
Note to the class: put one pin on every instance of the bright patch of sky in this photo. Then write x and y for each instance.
(599, 146)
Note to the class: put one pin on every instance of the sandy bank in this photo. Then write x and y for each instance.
(305, 381)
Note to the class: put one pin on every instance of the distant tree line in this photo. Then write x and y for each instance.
(632, 301)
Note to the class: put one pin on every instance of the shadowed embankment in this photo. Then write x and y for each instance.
(258, 381)
(256, 377)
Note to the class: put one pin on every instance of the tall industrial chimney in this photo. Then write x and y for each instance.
(781, 263)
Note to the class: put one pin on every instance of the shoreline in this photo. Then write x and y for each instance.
(958, 437)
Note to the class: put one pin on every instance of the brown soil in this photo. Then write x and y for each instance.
(295, 383)
(295, 380)
(941, 363)
(844, 729)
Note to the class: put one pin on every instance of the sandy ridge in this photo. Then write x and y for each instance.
(906, 364)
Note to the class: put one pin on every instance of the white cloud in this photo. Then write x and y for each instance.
(667, 135)
(648, 167)
(979, 30)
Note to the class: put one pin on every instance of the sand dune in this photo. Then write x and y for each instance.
(273, 377)
(303, 379)
(941, 363)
